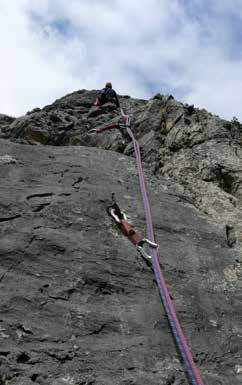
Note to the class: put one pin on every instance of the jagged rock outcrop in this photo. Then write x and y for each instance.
(5, 121)
(78, 305)
(200, 151)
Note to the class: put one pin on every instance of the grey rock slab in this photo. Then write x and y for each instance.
(78, 305)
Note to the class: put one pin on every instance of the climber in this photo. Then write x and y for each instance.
(107, 95)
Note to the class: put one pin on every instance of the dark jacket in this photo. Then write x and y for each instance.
(108, 95)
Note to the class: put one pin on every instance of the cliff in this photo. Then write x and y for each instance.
(79, 306)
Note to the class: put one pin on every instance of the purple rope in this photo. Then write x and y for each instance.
(192, 371)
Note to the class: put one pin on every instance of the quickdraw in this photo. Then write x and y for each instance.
(108, 127)
(121, 220)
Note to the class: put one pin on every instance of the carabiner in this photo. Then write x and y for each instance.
(92, 131)
(122, 125)
(152, 244)
(146, 256)
(115, 217)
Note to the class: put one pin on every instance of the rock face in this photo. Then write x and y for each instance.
(78, 304)
(5, 121)
(200, 151)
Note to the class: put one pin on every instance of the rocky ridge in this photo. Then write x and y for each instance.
(64, 263)
(193, 147)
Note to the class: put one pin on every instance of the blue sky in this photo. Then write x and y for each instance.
(189, 48)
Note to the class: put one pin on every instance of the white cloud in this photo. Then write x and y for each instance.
(142, 47)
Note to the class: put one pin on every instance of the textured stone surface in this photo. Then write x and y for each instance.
(5, 121)
(78, 305)
(198, 150)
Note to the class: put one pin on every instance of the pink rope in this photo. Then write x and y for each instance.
(183, 347)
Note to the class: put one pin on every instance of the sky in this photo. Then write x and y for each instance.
(191, 49)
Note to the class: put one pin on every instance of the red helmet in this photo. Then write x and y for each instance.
(108, 84)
